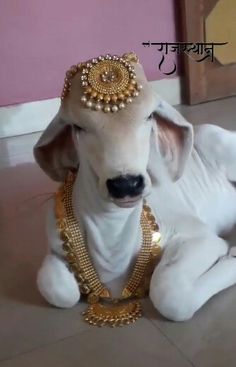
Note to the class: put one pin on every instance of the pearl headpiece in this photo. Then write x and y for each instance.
(108, 82)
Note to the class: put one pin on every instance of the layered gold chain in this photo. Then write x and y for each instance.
(80, 263)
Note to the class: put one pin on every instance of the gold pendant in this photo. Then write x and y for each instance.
(113, 315)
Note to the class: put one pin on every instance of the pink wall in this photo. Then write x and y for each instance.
(39, 40)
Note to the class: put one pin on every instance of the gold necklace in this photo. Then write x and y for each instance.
(103, 309)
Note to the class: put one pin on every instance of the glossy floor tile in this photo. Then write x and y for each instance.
(33, 333)
(221, 112)
(139, 345)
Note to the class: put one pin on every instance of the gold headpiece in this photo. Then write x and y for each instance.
(108, 82)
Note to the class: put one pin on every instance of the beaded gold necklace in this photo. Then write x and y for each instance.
(103, 309)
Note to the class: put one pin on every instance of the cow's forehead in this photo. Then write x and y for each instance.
(107, 92)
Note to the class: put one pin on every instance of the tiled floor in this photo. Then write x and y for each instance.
(35, 334)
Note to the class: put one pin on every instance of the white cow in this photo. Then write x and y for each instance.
(147, 150)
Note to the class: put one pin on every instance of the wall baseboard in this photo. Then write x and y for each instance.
(27, 118)
(31, 117)
(169, 90)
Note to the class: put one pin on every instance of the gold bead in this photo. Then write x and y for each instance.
(100, 96)
(121, 96)
(127, 93)
(114, 98)
(94, 94)
(88, 90)
(80, 65)
(107, 98)
(73, 69)
(68, 74)
(131, 87)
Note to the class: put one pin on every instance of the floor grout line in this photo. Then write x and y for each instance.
(17, 355)
(61, 340)
(40, 347)
(172, 342)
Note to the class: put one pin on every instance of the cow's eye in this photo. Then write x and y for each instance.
(150, 117)
(80, 129)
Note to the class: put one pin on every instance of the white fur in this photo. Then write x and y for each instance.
(57, 284)
(191, 212)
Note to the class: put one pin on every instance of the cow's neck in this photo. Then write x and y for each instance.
(113, 234)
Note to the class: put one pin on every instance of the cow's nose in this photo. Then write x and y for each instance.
(128, 185)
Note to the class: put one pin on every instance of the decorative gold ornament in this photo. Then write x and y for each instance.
(107, 80)
(116, 315)
(131, 56)
(103, 309)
